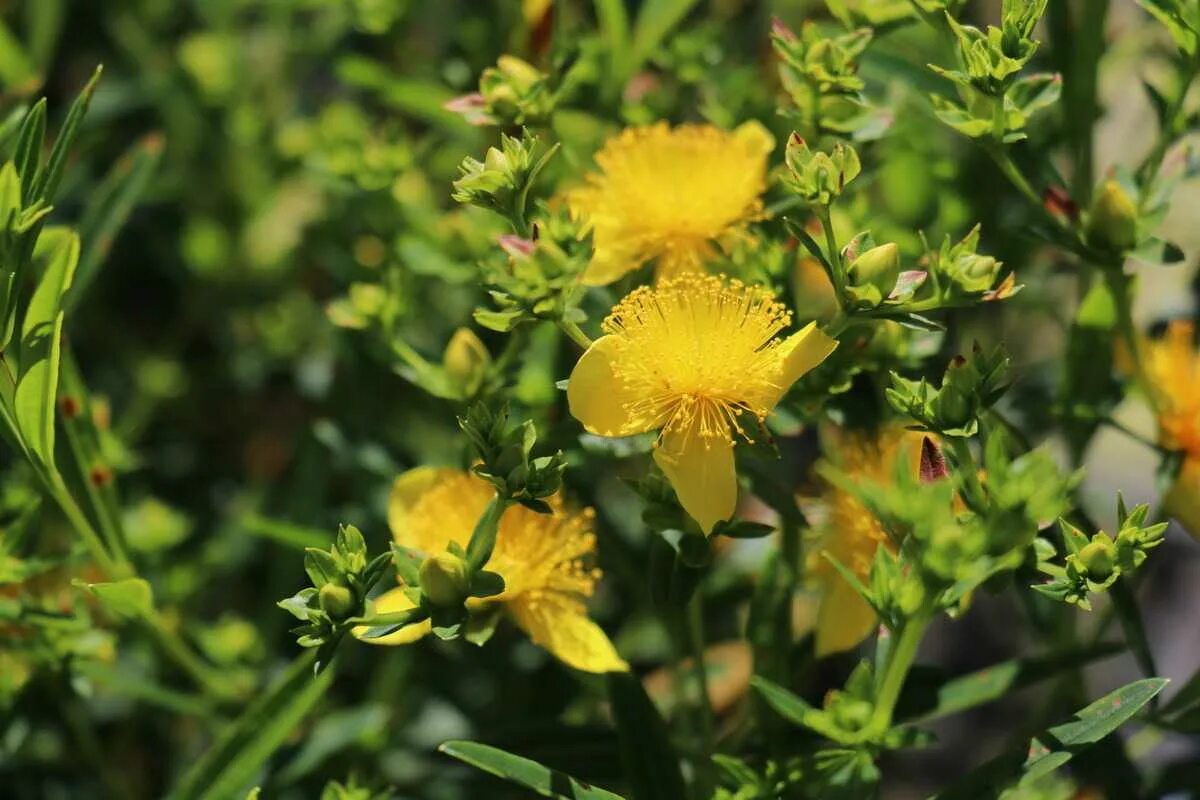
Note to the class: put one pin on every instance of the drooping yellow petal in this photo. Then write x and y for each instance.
(802, 351)
(559, 623)
(598, 398)
(844, 619)
(702, 473)
(386, 603)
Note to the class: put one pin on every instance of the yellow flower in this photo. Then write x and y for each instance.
(1173, 367)
(671, 196)
(543, 558)
(693, 358)
(850, 533)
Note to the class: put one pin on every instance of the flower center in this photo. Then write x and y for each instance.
(699, 351)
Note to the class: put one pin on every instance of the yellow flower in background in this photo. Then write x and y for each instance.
(1173, 367)
(850, 533)
(697, 358)
(671, 195)
(543, 558)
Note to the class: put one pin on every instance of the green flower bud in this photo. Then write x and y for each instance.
(1112, 223)
(873, 274)
(337, 601)
(1097, 557)
(445, 579)
(851, 714)
(465, 361)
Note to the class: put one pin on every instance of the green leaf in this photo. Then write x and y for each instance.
(1055, 746)
(130, 598)
(924, 699)
(41, 348)
(523, 772)
(794, 709)
(45, 185)
(29, 147)
(109, 206)
(647, 757)
(234, 760)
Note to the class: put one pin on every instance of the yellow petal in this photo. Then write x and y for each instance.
(406, 491)
(386, 603)
(702, 473)
(844, 619)
(560, 624)
(755, 137)
(609, 263)
(802, 352)
(598, 398)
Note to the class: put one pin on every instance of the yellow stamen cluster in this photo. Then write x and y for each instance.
(699, 351)
(1173, 364)
(535, 553)
(672, 195)
(851, 533)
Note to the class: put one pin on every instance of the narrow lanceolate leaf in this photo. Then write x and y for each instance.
(41, 348)
(925, 699)
(109, 207)
(231, 764)
(649, 761)
(45, 185)
(523, 772)
(29, 147)
(1055, 746)
(794, 709)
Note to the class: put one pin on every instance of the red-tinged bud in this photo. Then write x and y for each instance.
(933, 462)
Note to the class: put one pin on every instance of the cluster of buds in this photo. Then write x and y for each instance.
(960, 271)
(969, 386)
(872, 272)
(497, 181)
(537, 278)
(506, 458)
(1094, 564)
(815, 176)
(994, 99)
(514, 92)
(991, 60)
(341, 578)
(439, 585)
(819, 72)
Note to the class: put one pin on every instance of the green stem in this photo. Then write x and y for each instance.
(694, 634)
(900, 660)
(483, 538)
(110, 528)
(1130, 617)
(52, 482)
(575, 332)
(976, 497)
(1119, 285)
(201, 672)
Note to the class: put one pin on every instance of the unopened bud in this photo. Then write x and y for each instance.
(1113, 220)
(1097, 557)
(445, 579)
(465, 360)
(337, 601)
(873, 274)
